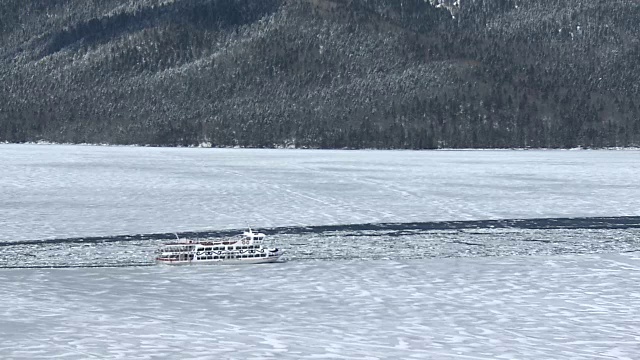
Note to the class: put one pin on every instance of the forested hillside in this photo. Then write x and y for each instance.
(321, 73)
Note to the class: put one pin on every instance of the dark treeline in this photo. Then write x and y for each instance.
(321, 73)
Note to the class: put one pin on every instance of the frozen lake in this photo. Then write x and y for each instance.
(558, 307)
(79, 224)
(66, 191)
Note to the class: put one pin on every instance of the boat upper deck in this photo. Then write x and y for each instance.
(248, 238)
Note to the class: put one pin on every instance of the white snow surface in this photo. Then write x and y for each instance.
(561, 307)
(58, 191)
(346, 294)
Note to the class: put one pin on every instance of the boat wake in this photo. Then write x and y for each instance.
(389, 229)
(512, 237)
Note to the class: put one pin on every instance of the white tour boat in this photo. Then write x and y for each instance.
(243, 249)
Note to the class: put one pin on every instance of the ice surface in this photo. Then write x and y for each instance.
(464, 293)
(560, 307)
(53, 191)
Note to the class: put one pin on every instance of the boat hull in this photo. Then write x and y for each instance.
(229, 261)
